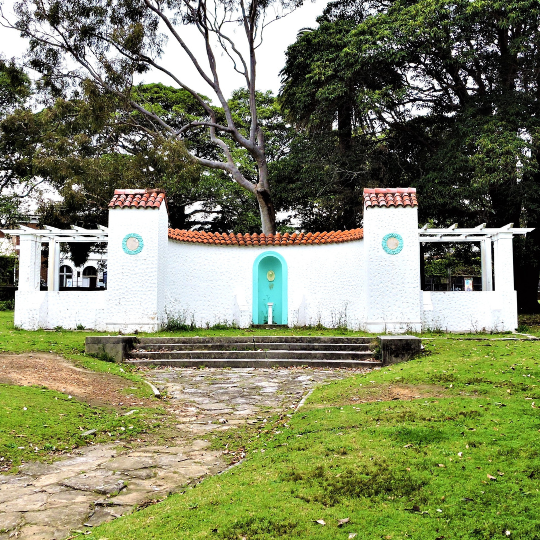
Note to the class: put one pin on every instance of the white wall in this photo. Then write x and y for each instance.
(135, 282)
(68, 309)
(392, 281)
(214, 284)
(475, 311)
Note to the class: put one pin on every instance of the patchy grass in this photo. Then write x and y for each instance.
(67, 343)
(462, 461)
(41, 424)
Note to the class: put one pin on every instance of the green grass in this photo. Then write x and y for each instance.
(462, 462)
(52, 423)
(40, 424)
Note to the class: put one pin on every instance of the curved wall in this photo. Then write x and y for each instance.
(210, 284)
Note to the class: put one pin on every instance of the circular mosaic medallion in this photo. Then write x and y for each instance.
(132, 243)
(392, 243)
(270, 276)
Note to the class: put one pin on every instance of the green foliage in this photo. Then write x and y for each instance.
(7, 305)
(7, 267)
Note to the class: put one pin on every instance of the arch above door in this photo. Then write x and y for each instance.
(270, 284)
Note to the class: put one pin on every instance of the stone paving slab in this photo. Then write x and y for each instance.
(99, 483)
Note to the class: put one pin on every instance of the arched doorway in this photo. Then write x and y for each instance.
(270, 278)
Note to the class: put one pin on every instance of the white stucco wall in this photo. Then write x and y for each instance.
(392, 281)
(135, 282)
(68, 309)
(212, 284)
(355, 284)
(476, 311)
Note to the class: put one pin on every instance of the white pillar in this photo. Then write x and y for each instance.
(29, 263)
(53, 276)
(504, 261)
(270, 315)
(487, 267)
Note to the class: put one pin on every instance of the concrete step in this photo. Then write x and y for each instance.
(260, 354)
(255, 339)
(254, 363)
(234, 346)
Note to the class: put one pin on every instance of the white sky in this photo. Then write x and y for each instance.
(270, 56)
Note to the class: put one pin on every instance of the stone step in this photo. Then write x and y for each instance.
(260, 354)
(254, 339)
(255, 363)
(235, 346)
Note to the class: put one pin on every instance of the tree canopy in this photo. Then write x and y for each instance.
(108, 44)
(450, 90)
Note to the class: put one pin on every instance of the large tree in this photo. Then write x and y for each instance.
(15, 89)
(460, 112)
(337, 153)
(108, 43)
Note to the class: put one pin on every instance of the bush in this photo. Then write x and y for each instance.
(7, 305)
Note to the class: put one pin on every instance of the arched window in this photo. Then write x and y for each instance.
(90, 277)
(66, 276)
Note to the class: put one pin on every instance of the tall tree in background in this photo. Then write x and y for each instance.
(338, 153)
(468, 110)
(15, 89)
(458, 110)
(108, 43)
(87, 147)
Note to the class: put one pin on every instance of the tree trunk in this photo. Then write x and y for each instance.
(267, 210)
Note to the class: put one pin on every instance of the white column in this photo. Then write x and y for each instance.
(270, 315)
(504, 261)
(29, 263)
(487, 269)
(53, 277)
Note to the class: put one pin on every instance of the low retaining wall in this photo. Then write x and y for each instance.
(116, 347)
(395, 349)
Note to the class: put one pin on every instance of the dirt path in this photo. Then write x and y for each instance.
(57, 373)
(99, 483)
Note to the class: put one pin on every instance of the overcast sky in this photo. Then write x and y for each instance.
(270, 57)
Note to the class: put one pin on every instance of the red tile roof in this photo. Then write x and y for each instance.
(201, 237)
(137, 198)
(379, 197)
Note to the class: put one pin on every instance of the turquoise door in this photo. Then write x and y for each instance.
(270, 286)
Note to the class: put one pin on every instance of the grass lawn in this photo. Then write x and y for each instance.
(460, 461)
(40, 424)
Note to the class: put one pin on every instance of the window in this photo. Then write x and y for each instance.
(66, 276)
(90, 277)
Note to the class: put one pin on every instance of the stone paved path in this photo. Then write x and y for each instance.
(99, 483)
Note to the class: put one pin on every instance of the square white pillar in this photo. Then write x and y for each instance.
(53, 273)
(503, 261)
(29, 263)
(487, 264)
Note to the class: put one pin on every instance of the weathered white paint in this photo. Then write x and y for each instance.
(136, 283)
(392, 281)
(68, 309)
(476, 311)
(355, 284)
(210, 284)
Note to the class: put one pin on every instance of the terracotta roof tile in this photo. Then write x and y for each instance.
(137, 198)
(382, 198)
(202, 237)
